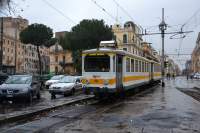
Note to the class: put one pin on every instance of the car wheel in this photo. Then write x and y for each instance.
(1, 101)
(53, 96)
(73, 91)
(30, 98)
(38, 95)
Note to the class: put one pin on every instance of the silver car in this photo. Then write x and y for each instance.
(67, 85)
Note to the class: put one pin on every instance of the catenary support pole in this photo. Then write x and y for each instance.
(163, 27)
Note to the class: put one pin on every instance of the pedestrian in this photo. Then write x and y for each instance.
(187, 76)
(173, 75)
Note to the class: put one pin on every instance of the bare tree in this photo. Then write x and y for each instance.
(5, 4)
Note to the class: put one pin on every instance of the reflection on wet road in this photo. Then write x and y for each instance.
(158, 111)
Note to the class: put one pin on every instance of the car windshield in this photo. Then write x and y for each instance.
(67, 80)
(97, 63)
(18, 80)
(58, 77)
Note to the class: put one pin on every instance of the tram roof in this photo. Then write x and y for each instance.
(117, 51)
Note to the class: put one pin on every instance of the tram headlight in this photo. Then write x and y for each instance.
(106, 82)
(87, 82)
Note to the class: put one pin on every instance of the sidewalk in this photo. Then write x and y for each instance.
(190, 87)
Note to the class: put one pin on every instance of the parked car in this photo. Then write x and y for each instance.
(53, 80)
(67, 85)
(3, 77)
(20, 87)
(197, 75)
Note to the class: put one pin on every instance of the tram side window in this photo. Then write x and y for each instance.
(136, 65)
(114, 63)
(132, 65)
(139, 66)
(143, 67)
(127, 64)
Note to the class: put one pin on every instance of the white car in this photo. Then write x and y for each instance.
(67, 85)
(197, 75)
(53, 80)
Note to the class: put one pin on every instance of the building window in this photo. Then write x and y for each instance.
(125, 49)
(56, 58)
(63, 58)
(132, 65)
(127, 64)
(133, 39)
(125, 38)
(56, 69)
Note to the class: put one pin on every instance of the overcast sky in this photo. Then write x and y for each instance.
(146, 13)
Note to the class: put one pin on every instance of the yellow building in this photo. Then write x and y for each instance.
(128, 38)
(61, 60)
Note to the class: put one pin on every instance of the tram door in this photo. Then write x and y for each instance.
(151, 71)
(119, 71)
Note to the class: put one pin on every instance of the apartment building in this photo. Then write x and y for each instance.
(196, 56)
(17, 56)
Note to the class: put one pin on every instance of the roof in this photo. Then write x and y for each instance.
(117, 51)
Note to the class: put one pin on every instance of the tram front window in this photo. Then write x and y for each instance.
(97, 63)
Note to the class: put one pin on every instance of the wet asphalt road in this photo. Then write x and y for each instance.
(161, 110)
(158, 110)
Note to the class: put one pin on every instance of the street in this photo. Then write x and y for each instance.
(152, 111)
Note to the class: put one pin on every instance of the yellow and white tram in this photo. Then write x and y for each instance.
(108, 70)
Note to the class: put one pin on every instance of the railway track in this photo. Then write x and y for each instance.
(66, 113)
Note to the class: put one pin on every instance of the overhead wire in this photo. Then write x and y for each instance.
(121, 7)
(186, 25)
(60, 12)
(103, 9)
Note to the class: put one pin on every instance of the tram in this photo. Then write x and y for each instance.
(107, 70)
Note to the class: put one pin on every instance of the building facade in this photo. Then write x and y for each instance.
(196, 56)
(61, 61)
(128, 38)
(19, 57)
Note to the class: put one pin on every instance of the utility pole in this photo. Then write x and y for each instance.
(163, 27)
(1, 46)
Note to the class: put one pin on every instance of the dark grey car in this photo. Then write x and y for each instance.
(20, 87)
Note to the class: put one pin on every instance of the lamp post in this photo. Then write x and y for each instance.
(163, 27)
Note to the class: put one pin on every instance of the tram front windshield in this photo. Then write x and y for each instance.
(97, 63)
